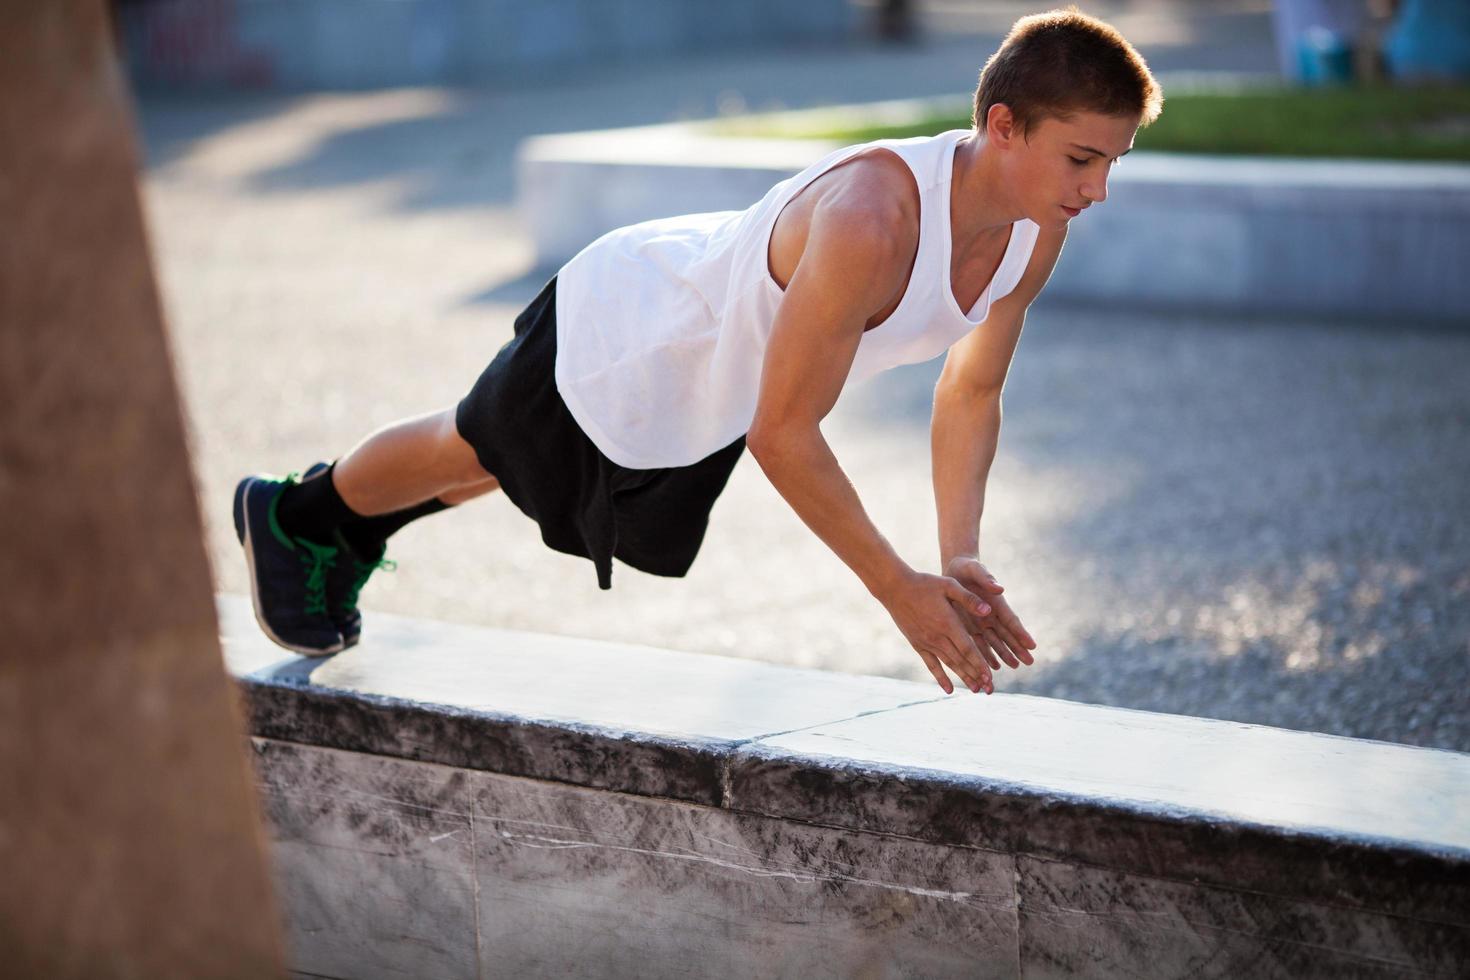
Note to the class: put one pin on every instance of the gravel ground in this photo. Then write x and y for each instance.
(1254, 520)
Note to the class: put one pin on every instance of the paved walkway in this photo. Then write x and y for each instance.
(1261, 521)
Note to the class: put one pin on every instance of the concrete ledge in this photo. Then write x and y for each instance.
(573, 804)
(1353, 238)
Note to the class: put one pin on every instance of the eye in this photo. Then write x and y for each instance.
(1080, 163)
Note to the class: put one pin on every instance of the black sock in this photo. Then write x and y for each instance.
(366, 536)
(313, 509)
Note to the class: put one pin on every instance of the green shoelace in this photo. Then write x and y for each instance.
(319, 559)
(365, 570)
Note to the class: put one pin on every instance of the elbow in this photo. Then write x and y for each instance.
(966, 394)
(761, 441)
(769, 444)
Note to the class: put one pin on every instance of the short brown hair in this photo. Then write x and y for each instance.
(1063, 61)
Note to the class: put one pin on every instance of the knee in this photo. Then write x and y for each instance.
(458, 455)
(469, 491)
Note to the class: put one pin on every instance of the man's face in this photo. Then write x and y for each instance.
(1062, 165)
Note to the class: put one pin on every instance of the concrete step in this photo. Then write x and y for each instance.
(443, 796)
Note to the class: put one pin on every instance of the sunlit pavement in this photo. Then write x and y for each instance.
(1254, 520)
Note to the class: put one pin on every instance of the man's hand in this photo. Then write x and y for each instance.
(998, 634)
(924, 607)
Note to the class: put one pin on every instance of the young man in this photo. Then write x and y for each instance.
(664, 349)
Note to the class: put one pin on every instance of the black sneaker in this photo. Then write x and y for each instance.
(343, 587)
(288, 576)
(346, 579)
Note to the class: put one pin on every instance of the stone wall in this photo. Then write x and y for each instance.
(459, 801)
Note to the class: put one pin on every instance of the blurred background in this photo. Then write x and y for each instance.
(1253, 517)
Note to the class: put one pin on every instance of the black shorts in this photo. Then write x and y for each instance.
(587, 505)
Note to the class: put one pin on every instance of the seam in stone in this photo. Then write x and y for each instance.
(834, 721)
(1016, 904)
(727, 782)
(475, 875)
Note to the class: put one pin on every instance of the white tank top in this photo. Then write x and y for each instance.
(661, 327)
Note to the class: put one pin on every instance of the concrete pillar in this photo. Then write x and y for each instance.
(130, 844)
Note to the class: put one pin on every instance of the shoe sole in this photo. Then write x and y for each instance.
(242, 531)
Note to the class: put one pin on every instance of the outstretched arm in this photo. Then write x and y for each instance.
(852, 265)
(964, 434)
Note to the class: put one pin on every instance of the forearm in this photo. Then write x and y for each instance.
(964, 433)
(803, 469)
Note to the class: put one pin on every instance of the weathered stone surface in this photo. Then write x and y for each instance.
(1250, 849)
(1363, 823)
(633, 762)
(374, 862)
(382, 863)
(1079, 921)
(662, 889)
(613, 716)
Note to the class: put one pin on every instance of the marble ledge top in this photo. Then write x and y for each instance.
(1301, 813)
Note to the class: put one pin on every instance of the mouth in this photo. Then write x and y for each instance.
(1072, 212)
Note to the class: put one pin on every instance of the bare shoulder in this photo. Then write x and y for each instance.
(871, 198)
(874, 190)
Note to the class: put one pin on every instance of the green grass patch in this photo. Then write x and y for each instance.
(1371, 122)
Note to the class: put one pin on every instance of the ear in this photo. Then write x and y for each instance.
(1000, 126)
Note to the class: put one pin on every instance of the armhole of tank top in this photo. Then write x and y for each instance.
(770, 229)
(1022, 262)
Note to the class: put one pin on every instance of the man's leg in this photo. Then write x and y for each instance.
(409, 462)
(312, 545)
(469, 491)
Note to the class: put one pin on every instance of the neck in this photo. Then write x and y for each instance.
(978, 205)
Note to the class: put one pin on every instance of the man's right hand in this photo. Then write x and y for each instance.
(923, 608)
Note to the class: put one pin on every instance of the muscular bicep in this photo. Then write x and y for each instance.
(846, 274)
(980, 360)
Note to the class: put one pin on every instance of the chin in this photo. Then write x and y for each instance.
(1047, 216)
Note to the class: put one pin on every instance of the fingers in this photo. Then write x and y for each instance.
(941, 635)
(1009, 625)
(1006, 618)
(992, 648)
(980, 576)
(932, 662)
(1017, 649)
(982, 633)
(989, 635)
(969, 663)
(1002, 638)
(966, 599)
(967, 666)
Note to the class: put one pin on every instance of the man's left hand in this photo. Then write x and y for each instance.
(1000, 634)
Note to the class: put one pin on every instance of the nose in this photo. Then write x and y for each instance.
(1096, 190)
